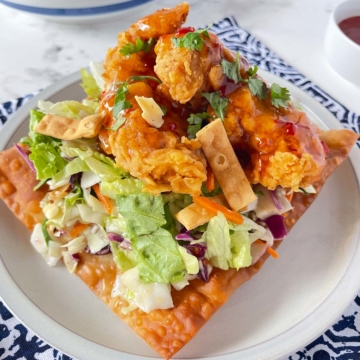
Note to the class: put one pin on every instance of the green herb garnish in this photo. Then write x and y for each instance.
(120, 120)
(45, 232)
(120, 102)
(195, 122)
(192, 40)
(217, 102)
(140, 45)
(142, 78)
(279, 95)
(163, 109)
(259, 193)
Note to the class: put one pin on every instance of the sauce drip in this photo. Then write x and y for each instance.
(351, 28)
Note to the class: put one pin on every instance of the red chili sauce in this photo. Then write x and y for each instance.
(351, 28)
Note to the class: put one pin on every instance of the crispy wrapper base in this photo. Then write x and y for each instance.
(166, 331)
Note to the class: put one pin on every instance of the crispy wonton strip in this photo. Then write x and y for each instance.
(195, 215)
(225, 165)
(167, 331)
(17, 181)
(64, 128)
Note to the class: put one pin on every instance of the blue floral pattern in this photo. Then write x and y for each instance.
(340, 342)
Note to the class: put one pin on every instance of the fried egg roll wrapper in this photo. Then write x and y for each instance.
(17, 181)
(167, 331)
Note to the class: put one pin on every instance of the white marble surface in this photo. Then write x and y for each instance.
(35, 53)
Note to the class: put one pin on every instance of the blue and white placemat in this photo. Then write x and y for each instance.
(340, 342)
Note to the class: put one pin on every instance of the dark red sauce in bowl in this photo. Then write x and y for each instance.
(351, 28)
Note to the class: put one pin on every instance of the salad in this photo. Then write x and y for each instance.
(179, 168)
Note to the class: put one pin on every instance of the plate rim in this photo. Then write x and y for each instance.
(76, 344)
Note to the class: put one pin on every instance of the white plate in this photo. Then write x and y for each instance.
(292, 300)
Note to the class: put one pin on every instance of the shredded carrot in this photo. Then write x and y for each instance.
(272, 252)
(213, 208)
(105, 201)
(78, 229)
(210, 179)
(289, 196)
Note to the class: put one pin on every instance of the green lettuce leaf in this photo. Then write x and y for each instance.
(123, 258)
(116, 225)
(191, 262)
(240, 250)
(73, 167)
(143, 213)
(46, 159)
(218, 241)
(121, 187)
(158, 257)
(71, 109)
(89, 85)
(76, 196)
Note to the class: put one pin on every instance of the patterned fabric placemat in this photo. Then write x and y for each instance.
(340, 342)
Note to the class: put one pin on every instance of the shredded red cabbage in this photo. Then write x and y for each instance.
(276, 225)
(75, 179)
(105, 250)
(276, 200)
(204, 271)
(75, 257)
(198, 250)
(115, 237)
(26, 157)
(186, 236)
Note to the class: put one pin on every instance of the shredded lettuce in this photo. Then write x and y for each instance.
(143, 213)
(97, 69)
(71, 109)
(191, 262)
(89, 85)
(73, 167)
(240, 250)
(46, 159)
(158, 257)
(88, 215)
(123, 258)
(147, 297)
(121, 187)
(116, 225)
(96, 238)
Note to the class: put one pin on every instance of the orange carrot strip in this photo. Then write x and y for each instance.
(210, 178)
(289, 196)
(213, 208)
(78, 229)
(105, 201)
(272, 252)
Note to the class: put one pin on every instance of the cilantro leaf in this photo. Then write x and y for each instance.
(142, 78)
(191, 40)
(120, 102)
(279, 96)
(195, 122)
(232, 69)
(140, 45)
(217, 102)
(163, 109)
(258, 88)
(252, 71)
(120, 120)
(259, 193)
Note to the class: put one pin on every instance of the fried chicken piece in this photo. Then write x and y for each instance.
(161, 22)
(185, 72)
(162, 158)
(283, 146)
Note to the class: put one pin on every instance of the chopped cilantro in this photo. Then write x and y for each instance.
(258, 88)
(232, 69)
(142, 78)
(192, 40)
(120, 102)
(217, 102)
(304, 191)
(164, 109)
(279, 95)
(195, 122)
(140, 45)
(120, 120)
(259, 193)
(252, 71)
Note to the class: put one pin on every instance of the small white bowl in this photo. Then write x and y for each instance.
(342, 52)
(80, 11)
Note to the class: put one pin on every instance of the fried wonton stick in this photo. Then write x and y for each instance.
(194, 215)
(64, 128)
(225, 165)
